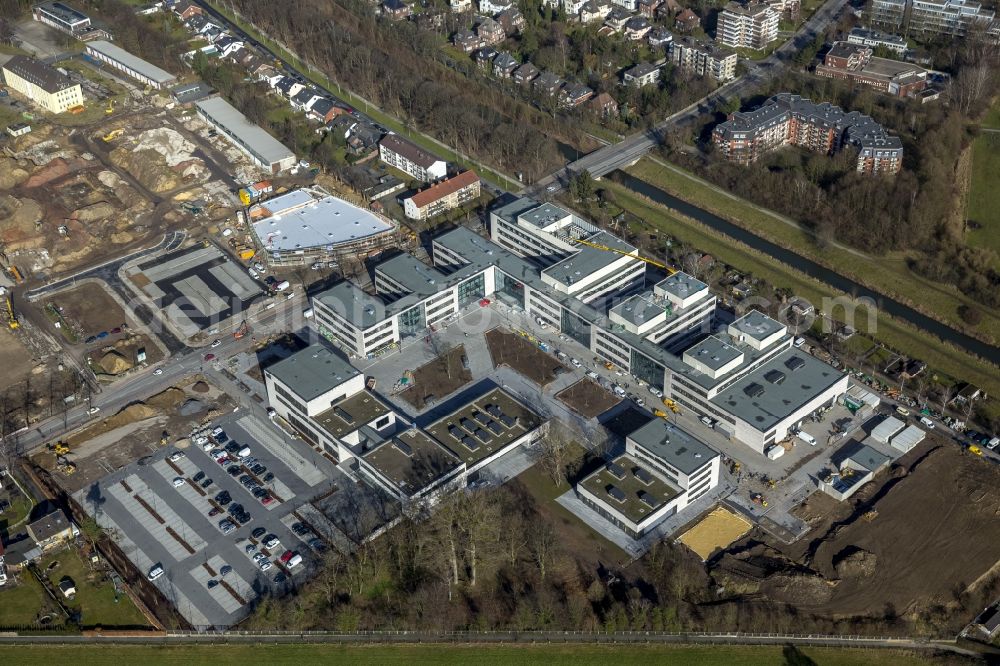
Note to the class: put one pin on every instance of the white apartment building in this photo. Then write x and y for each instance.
(643, 74)
(932, 17)
(874, 39)
(703, 59)
(42, 84)
(753, 25)
(408, 158)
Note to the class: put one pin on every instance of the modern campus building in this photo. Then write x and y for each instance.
(703, 59)
(787, 119)
(42, 84)
(324, 398)
(663, 470)
(130, 65)
(932, 17)
(61, 16)
(263, 149)
(308, 225)
(411, 159)
(441, 197)
(856, 63)
(746, 375)
(753, 25)
(876, 40)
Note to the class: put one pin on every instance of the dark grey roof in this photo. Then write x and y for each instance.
(313, 371)
(677, 447)
(38, 73)
(410, 151)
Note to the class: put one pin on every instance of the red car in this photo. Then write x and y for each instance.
(484, 302)
(287, 555)
(267, 499)
(209, 357)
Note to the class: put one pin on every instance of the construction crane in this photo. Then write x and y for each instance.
(658, 264)
(12, 321)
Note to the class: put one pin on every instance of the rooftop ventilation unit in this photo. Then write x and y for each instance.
(616, 470)
(616, 494)
(753, 390)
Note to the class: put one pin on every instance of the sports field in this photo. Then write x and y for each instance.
(406, 655)
(716, 530)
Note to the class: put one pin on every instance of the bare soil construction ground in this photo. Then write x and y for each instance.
(587, 398)
(922, 530)
(14, 359)
(438, 378)
(526, 358)
(115, 440)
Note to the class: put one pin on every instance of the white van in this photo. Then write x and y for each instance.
(806, 437)
(295, 560)
(244, 452)
(155, 572)
(927, 422)
(307, 313)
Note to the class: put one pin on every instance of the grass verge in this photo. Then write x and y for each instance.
(554, 655)
(942, 358)
(983, 207)
(369, 109)
(886, 274)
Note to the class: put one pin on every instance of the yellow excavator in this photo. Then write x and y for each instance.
(673, 406)
(12, 321)
(59, 448)
(113, 134)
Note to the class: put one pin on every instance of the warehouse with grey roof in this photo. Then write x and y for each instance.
(263, 149)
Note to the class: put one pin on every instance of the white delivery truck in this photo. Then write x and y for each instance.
(806, 437)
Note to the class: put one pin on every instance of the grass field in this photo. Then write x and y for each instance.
(388, 121)
(885, 274)
(984, 194)
(945, 361)
(21, 604)
(94, 600)
(405, 655)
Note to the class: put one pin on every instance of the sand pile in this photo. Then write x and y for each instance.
(11, 175)
(114, 363)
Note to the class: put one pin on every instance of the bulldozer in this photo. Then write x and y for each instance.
(674, 407)
(65, 466)
(60, 448)
(113, 134)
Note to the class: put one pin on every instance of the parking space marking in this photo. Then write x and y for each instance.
(320, 524)
(220, 593)
(159, 530)
(282, 450)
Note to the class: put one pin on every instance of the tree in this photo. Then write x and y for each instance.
(970, 315)
(554, 451)
(583, 186)
(8, 34)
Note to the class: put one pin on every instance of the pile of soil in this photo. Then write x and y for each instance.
(855, 563)
(94, 212)
(114, 363)
(131, 414)
(199, 387)
(798, 589)
(11, 175)
(167, 400)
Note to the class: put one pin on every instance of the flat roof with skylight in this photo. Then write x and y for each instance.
(310, 218)
(351, 414)
(312, 371)
(589, 260)
(630, 488)
(676, 447)
(353, 304)
(544, 215)
(757, 325)
(713, 353)
(411, 461)
(681, 285)
(484, 426)
(638, 310)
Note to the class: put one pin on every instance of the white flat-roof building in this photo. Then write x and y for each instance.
(263, 149)
(309, 224)
(61, 16)
(130, 65)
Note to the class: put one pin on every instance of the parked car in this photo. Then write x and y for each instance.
(575, 363)
(902, 411)
(214, 512)
(206, 483)
(213, 583)
(178, 481)
(216, 343)
(176, 455)
(155, 572)
(287, 555)
(265, 565)
(591, 374)
(927, 422)
(271, 542)
(258, 532)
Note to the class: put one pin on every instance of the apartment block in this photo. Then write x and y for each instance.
(42, 84)
(753, 25)
(788, 119)
(643, 74)
(409, 158)
(441, 197)
(932, 17)
(703, 59)
(855, 63)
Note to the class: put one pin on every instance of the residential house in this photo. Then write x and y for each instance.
(431, 18)
(288, 87)
(603, 106)
(484, 56)
(686, 21)
(791, 7)
(467, 41)
(643, 74)
(494, 7)
(186, 10)
(617, 18)
(397, 152)
(304, 98)
(51, 531)
(261, 71)
(648, 7)
(460, 6)
(504, 65)
(547, 83)
(150, 9)
(631, 6)
(637, 28)
(856, 63)
(323, 110)
(490, 32)
(574, 94)
(42, 84)
(572, 7)
(444, 196)
(659, 38)
(227, 46)
(395, 10)
(753, 25)
(525, 74)
(511, 20)
(362, 138)
(594, 11)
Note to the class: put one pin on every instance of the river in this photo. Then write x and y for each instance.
(836, 280)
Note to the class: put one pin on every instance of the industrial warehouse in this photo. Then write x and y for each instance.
(308, 225)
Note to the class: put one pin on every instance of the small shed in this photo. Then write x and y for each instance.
(884, 431)
(908, 438)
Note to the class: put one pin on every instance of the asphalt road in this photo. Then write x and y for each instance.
(615, 156)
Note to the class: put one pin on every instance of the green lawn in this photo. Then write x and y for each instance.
(992, 118)
(94, 598)
(21, 604)
(388, 121)
(19, 509)
(984, 194)
(486, 655)
(887, 274)
(944, 360)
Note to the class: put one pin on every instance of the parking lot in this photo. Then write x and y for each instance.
(158, 509)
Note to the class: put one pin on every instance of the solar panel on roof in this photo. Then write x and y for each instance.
(616, 493)
(470, 443)
(495, 427)
(616, 470)
(643, 475)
